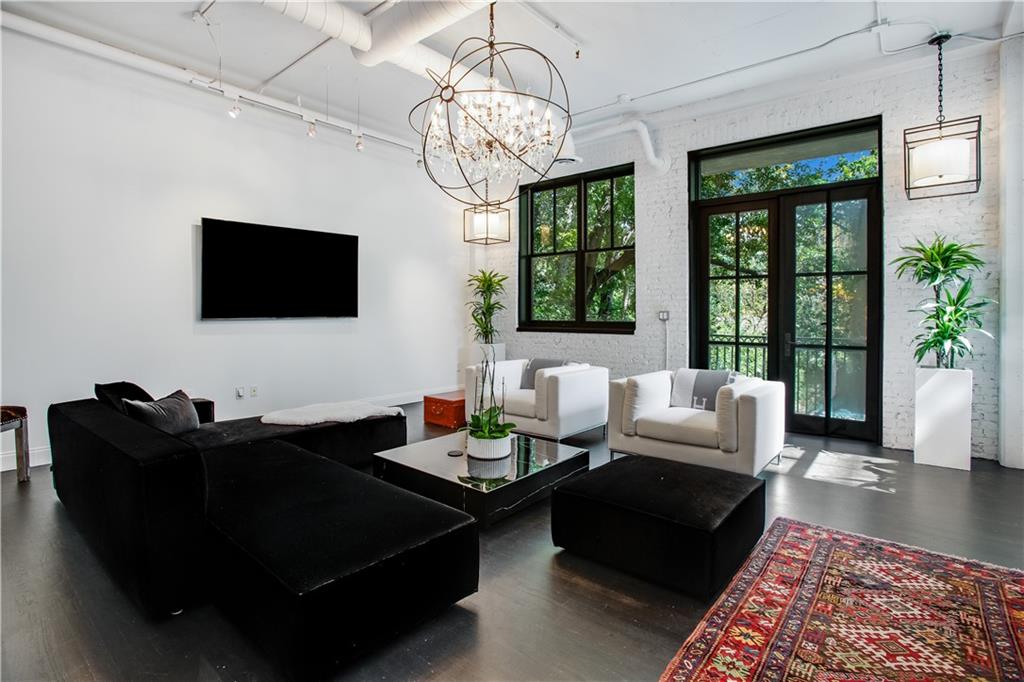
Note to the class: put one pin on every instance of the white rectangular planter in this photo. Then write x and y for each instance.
(942, 417)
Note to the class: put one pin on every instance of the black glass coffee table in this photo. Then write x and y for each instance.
(488, 489)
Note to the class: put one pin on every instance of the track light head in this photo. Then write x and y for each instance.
(359, 143)
(234, 111)
(311, 129)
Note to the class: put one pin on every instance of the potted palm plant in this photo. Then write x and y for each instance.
(943, 394)
(488, 435)
(487, 286)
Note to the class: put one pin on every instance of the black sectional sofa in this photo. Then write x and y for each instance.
(315, 559)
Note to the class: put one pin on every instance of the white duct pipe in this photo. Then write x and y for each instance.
(598, 131)
(417, 58)
(408, 23)
(182, 75)
(330, 18)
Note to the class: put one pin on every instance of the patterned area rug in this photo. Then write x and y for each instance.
(814, 603)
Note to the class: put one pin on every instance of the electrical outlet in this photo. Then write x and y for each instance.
(663, 315)
(239, 392)
(254, 392)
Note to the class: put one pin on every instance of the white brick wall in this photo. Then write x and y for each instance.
(903, 99)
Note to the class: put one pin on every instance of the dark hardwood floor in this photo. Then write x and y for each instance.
(540, 614)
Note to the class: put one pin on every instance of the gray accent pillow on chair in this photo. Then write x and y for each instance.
(533, 366)
(698, 388)
(173, 414)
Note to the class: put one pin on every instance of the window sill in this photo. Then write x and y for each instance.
(577, 329)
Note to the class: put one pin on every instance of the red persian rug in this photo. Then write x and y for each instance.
(814, 603)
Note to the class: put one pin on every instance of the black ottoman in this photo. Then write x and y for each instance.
(684, 526)
(317, 562)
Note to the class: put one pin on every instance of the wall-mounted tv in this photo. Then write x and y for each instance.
(257, 271)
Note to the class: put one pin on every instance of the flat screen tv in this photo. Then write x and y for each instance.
(252, 271)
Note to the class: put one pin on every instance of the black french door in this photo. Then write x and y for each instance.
(737, 287)
(788, 287)
(830, 290)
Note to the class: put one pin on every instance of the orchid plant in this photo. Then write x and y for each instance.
(487, 422)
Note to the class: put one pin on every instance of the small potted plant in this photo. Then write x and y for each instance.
(943, 394)
(488, 286)
(488, 435)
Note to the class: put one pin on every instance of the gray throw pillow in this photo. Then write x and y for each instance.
(698, 388)
(532, 367)
(174, 414)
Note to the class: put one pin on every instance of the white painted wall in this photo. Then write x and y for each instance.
(106, 173)
(904, 98)
(1011, 235)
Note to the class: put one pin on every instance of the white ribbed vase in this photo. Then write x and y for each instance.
(488, 448)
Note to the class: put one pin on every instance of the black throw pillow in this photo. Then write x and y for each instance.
(532, 367)
(113, 394)
(174, 414)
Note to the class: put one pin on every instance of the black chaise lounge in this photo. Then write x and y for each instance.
(267, 521)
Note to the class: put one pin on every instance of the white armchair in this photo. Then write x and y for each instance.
(567, 400)
(744, 432)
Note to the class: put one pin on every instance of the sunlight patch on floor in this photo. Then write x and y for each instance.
(856, 471)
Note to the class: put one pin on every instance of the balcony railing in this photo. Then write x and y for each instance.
(748, 357)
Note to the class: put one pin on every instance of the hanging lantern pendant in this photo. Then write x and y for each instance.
(945, 155)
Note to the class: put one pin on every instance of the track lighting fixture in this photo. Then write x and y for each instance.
(359, 143)
(235, 110)
(311, 129)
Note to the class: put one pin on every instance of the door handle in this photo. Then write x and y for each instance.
(789, 343)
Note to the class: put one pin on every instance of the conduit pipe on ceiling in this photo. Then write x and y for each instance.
(598, 131)
(330, 18)
(182, 75)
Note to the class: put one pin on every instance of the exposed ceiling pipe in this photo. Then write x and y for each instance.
(182, 75)
(391, 32)
(379, 8)
(407, 24)
(330, 18)
(661, 165)
(417, 58)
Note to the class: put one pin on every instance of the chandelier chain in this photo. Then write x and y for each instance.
(941, 117)
(490, 43)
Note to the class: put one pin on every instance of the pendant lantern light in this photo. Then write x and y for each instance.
(942, 158)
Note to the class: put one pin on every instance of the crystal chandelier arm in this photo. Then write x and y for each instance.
(470, 185)
(500, 142)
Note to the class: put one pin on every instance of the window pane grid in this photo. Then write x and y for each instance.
(738, 291)
(579, 220)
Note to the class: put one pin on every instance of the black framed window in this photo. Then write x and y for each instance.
(577, 265)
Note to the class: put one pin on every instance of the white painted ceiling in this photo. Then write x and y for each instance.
(644, 50)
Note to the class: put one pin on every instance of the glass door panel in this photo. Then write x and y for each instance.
(736, 306)
(830, 310)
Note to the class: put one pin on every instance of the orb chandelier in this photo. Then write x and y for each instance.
(942, 158)
(483, 137)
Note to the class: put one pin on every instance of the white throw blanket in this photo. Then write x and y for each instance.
(349, 411)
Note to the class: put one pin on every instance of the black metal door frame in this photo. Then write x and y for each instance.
(870, 428)
(781, 283)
